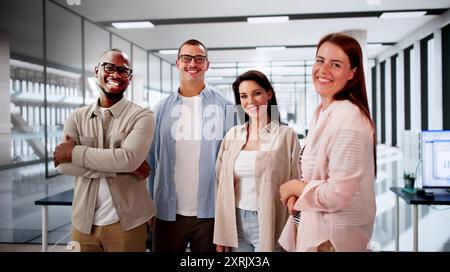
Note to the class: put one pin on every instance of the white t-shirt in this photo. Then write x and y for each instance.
(105, 212)
(187, 154)
(244, 169)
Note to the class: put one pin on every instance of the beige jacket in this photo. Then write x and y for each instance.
(338, 203)
(129, 136)
(276, 163)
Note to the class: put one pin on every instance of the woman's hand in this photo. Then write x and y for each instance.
(291, 188)
(290, 204)
(220, 248)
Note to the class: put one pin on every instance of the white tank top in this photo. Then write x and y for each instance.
(244, 170)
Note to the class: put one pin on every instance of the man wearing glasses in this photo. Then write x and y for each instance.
(190, 124)
(105, 145)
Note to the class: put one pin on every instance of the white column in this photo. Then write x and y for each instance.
(435, 83)
(388, 101)
(6, 217)
(378, 97)
(400, 100)
(416, 122)
(5, 112)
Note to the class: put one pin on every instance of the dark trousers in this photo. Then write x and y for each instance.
(174, 236)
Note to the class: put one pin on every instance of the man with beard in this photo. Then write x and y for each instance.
(105, 145)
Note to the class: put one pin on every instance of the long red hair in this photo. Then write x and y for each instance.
(355, 89)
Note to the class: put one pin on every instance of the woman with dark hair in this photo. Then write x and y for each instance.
(254, 159)
(338, 163)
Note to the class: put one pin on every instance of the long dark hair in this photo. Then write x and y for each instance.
(355, 89)
(263, 81)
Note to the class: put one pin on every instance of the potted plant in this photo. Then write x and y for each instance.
(409, 179)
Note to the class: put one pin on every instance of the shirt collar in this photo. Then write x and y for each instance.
(327, 110)
(204, 93)
(268, 128)
(115, 109)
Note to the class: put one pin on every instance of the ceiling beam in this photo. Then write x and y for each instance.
(302, 16)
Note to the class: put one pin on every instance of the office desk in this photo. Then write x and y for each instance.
(61, 199)
(415, 200)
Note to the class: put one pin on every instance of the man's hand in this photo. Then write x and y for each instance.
(143, 171)
(63, 151)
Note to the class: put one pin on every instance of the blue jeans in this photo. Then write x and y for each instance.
(248, 231)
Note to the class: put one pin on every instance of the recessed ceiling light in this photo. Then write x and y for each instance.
(168, 52)
(406, 14)
(271, 19)
(128, 25)
(270, 48)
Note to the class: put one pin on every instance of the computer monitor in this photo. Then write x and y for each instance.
(435, 158)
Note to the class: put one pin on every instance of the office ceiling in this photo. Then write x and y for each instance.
(222, 25)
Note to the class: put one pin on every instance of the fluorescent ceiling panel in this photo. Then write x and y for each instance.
(398, 15)
(129, 25)
(266, 20)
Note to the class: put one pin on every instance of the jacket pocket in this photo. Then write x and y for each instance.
(87, 141)
(276, 166)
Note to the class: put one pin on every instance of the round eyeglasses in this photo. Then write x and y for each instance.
(111, 68)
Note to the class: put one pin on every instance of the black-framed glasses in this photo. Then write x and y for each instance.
(199, 59)
(111, 68)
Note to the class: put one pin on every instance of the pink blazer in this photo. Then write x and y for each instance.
(338, 203)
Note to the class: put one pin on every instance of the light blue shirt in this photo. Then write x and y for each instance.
(217, 117)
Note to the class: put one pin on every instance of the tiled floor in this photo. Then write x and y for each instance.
(20, 219)
(31, 248)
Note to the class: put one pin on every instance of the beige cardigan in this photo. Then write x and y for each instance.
(276, 163)
(338, 203)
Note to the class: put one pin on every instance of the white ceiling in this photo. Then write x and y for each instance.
(239, 35)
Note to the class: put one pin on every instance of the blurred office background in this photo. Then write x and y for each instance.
(48, 49)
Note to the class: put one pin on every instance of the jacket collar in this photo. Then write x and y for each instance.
(116, 109)
(272, 126)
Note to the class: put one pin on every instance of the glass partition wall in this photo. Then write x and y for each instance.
(56, 75)
(291, 81)
(52, 55)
